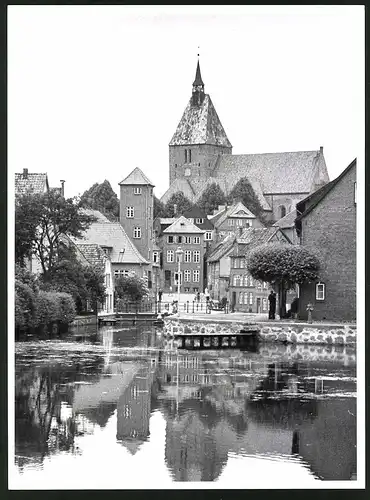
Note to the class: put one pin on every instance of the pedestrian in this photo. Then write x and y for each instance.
(272, 304)
(206, 294)
(160, 293)
(198, 296)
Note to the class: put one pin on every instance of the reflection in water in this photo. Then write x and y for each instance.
(273, 403)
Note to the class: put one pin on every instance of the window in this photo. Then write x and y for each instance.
(187, 275)
(170, 256)
(199, 221)
(156, 257)
(259, 285)
(195, 289)
(137, 190)
(236, 281)
(195, 275)
(189, 155)
(130, 212)
(239, 222)
(179, 239)
(231, 222)
(187, 239)
(186, 290)
(320, 291)
(196, 256)
(137, 232)
(208, 236)
(186, 155)
(196, 240)
(251, 282)
(241, 298)
(176, 277)
(246, 280)
(264, 285)
(242, 263)
(355, 192)
(245, 298)
(120, 272)
(187, 255)
(170, 239)
(167, 276)
(250, 298)
(264, 304)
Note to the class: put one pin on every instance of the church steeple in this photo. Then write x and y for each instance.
(198, 88)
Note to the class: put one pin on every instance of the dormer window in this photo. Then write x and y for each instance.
(199, 221)
(137, 190)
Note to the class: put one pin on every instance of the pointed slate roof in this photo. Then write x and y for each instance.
(183, 225)
(198, 77)
(136, 177)
(290, 172)
(200, 125)
(112, 235)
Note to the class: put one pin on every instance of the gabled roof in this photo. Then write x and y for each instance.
(200, 125)
(181, 185)
(274, 172)
(196, 213)
(183, 225)
(93, 254)
(31, 183)
(254, 236)
(311, 201)
(287, 221)
(112, 235)
(232, 211)
(137, 177)
(222, 248)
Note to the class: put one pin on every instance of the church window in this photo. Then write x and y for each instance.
(137, 232)
(186, 155)
(189, 155)
(130, 212)
(137, 190)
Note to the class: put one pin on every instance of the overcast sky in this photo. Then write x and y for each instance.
(95, 91)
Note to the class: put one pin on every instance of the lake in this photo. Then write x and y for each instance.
(122, 408)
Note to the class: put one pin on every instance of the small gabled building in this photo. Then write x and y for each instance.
(326, 223)
(218, 267)
(230, 219)
(245, 293)
(186, 235)
(31, 183)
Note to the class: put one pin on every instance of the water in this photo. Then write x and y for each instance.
(122, 408)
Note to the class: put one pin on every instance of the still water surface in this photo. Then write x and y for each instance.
(121, 408)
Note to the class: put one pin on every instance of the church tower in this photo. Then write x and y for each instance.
(199, 138)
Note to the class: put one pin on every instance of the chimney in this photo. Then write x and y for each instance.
(25, 173)
(174, 208)
(321, 150)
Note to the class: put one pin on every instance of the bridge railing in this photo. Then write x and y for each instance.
(156, 307)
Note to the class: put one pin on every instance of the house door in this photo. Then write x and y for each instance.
(258, 304)
(233, 301)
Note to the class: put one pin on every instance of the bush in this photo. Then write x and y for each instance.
(47, 309)
(66, 307)
(24, 305)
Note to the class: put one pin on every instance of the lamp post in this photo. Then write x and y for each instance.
(179, 253)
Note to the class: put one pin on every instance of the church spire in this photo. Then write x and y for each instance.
(198, 87)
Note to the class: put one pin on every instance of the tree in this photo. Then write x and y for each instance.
(131, 288)
(244, 192)
(158, 208)
(53, 217)
(283, 265)
(211, 198)
(101, 197)
(183, 205)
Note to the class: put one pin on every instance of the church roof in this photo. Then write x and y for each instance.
(275, 172)
(200, 125)
(198, 77)
(137, 176)
(112, 235)
(181, 185)
(183, 225)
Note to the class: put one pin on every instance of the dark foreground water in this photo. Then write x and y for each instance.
(123, 409)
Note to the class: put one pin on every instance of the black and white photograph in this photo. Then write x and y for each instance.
(186, 255)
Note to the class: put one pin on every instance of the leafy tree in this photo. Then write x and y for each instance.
(101, 197)
(54, 217)
(131, 288)
(244, 192)
(158, 208)
(183, 205)
(211, 198)
(283, 266)
(25, 305)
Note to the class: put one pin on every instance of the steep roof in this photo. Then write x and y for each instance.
(198, 77)
(287, 221)
(93, 254)
(31, 183)
(200, 125)
(112, 235)
(136, 177)
(196, 213)
(252, 237)
(232, 211)
(222, 248)
(183, 225)
(181, 185)
(309, 203)
(274, 172)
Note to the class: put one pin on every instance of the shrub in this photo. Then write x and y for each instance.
(66, 307)
(47, 309)
(25, 299)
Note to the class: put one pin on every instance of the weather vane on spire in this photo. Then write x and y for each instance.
(198, 51)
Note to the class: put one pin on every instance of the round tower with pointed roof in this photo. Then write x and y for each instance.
(199, 138)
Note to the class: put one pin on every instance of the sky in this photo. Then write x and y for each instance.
(95, 91)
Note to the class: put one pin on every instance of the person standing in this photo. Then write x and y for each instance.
(160, 293)
(272, 304)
